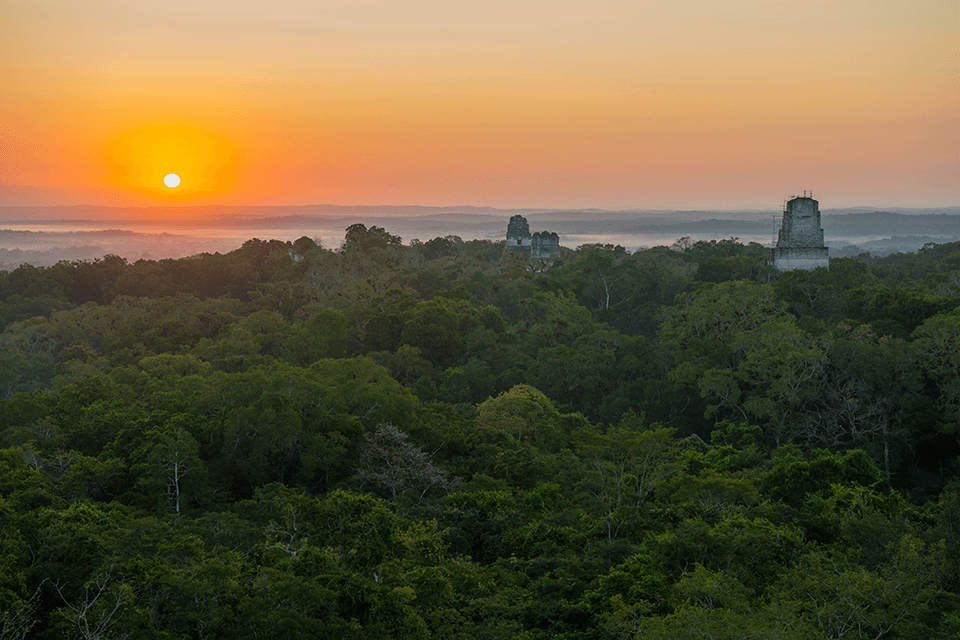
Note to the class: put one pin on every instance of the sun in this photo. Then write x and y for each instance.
(140, 159)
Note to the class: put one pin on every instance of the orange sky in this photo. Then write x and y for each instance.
(521, 103)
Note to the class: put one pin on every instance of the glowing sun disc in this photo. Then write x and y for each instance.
(172, 180)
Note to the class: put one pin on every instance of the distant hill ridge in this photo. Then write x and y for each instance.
(427, 222)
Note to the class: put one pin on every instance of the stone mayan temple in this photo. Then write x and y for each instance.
(800, 243)
(541, 245)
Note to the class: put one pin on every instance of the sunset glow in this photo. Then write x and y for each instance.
(140, 160)
(687, 104)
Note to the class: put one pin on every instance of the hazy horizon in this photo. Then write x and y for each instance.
(50, 237)
(27, 196)
(334, 210)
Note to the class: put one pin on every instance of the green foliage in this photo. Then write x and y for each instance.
(630, 583)
(324, 336)
(473, 382)
(362, 240)
(753, 551)
(753, 268)
(939, 340)
(441, 329)
(478, 521)
(548, 320)
(171, 470)
(589, 375)
(526, 415)
(839, 598)
(621, 290)
(792, 479)
(625, 467)
(673, 443)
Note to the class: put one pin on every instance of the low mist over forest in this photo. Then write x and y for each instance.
(46, 235)
(441, 439)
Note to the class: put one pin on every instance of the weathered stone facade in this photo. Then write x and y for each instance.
(800, 242)
(541, 245)
(544, 245)
(519, 239)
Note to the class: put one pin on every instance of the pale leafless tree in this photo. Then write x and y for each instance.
(391, 462)
(95, 612)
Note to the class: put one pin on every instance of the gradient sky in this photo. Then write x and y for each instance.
(522, 103)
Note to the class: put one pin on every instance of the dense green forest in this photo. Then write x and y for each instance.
(437, 440)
